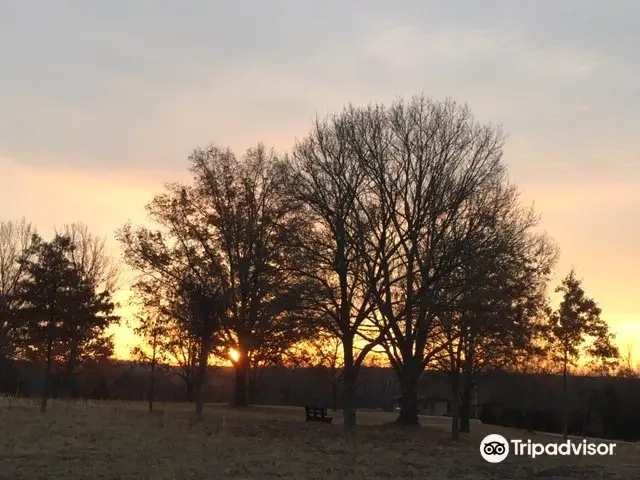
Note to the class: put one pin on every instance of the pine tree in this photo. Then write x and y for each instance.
(576, 331)
(49, 292)
(66, 317)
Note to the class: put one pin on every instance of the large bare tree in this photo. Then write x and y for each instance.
(329, 180)
(91, 257)
(15, 240)
(425, 161)
(181, 285)
(395, 194)
(255, 226)
(233, 227)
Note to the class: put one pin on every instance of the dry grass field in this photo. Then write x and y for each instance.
(111, 440)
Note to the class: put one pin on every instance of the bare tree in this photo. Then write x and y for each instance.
(394, 193)
(497, 297)
(329, 180)
(627, 368)
(242, 213)
(152, 328)
(184, 289)
(183, 350)
(15, 240)
(91, 257)
(501, 293)
(165, 333)
(426, 162)
(232, 229)
(207, 306)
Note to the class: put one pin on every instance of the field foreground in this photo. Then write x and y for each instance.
(100, 440)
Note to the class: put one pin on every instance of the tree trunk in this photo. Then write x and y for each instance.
(152, 383)
(190, 387)
(455, 407)
(409, 403)
(240, 398)
(203, 363)
(47, 373)
(565, 406)
(334, 393)
(349, 398)
(465, 386)
(69, 376)
(349, 385)
(254, 377)
(465, 410)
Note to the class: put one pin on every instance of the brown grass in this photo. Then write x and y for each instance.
(92, 440)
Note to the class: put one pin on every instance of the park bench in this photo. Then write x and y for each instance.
(317, 414)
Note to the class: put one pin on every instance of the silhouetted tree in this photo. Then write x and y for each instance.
(15, 240)
(52, 292)
(207, 307)
(152, 329)
(235, 221)
(161, 332)
(425, 163)
(497, 297)
(257, 228)
(88, 339)
(627, 369)
(162, 286)
(329, 180)
(577, 331)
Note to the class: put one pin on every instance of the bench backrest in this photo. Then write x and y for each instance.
(316, 411)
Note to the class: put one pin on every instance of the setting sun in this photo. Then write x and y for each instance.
(234, 355)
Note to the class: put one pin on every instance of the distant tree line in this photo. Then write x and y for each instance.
(388, 230)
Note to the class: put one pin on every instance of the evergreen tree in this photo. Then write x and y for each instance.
(65, 317)
(50, 294)
(577, 331)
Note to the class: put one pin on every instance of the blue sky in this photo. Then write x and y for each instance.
(101, 102)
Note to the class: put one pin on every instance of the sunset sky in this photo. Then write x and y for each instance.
(101, 102)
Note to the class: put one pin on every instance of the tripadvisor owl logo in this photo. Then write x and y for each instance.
(494, 448)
